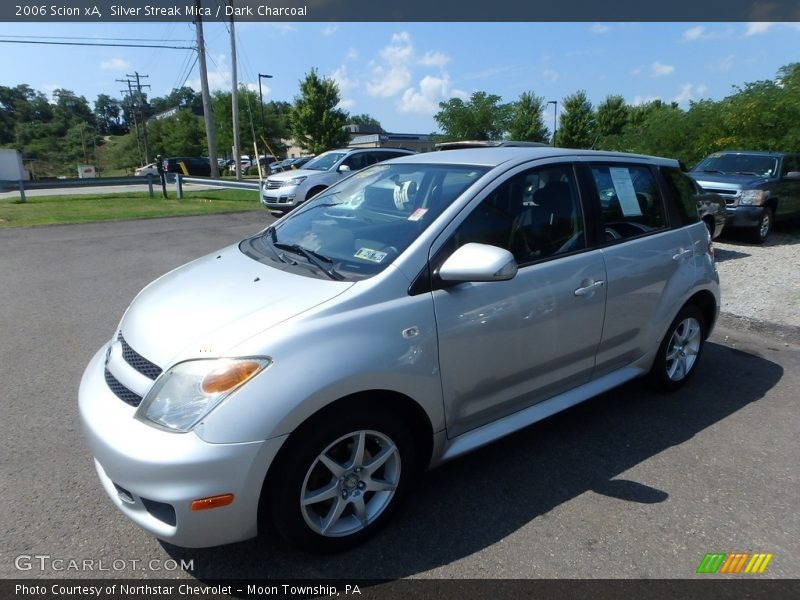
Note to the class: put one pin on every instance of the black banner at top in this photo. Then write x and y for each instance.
(398, 10)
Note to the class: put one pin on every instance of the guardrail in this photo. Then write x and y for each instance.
(151, 181)
(52, 184)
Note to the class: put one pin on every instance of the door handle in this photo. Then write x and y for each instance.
(682, 254)
(589, 289)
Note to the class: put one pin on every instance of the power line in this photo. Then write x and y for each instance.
(83, 37)
(92, 44)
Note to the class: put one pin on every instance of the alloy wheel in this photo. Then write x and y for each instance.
(684, 346)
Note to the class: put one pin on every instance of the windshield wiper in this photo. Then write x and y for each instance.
(280, 255)
(712, 171)
(747, 173)
(320, 261)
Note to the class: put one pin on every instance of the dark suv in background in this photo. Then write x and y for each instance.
(187, 165)
(758, 187)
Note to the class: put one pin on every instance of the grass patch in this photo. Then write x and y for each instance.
(90, 208)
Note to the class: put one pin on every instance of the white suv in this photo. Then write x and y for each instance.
(284, 191)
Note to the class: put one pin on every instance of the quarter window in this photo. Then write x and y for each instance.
(629, 199)
(534, 215)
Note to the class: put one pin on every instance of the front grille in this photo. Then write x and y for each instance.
(273, 185)
(137, 361)
(123, 393)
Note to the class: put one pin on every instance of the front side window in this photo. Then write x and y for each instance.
(324, 162)
(629, 200)
(534, 215)
(355, 229)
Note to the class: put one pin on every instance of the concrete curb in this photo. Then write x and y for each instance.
(784, 333)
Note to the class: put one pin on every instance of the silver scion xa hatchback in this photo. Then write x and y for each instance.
(415, 311)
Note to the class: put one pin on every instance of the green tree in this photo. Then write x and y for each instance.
(108, 115)
(482, 117)
(577, 122)
(611, 116)
(526, 123)
(365, 120)
(315, 123)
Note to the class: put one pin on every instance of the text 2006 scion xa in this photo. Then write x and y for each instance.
(298, 380)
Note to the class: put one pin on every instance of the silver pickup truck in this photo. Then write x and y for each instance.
(759, 188)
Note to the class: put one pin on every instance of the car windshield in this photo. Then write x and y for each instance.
(356, 228)
(324, 162)
(741, 164)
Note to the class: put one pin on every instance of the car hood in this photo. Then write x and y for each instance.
(292, 173)
(206, 307)
(731, 181)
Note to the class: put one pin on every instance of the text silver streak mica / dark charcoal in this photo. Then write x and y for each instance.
(412, 312)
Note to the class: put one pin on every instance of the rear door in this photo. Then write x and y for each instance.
(789, 188)
(647, 257)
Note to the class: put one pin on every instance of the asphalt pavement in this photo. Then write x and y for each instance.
(630, 484)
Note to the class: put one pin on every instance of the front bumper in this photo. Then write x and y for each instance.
(281, 199)
(744, 216)
(152, 476)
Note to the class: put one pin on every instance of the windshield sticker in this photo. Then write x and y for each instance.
(417, 214)
(623, 185)
(371, 255)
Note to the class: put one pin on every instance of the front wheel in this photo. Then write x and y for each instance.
(340, 479)
(680, 350)
(761, 232)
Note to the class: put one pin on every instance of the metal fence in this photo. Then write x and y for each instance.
(151, 181)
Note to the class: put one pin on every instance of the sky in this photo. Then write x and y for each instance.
(399, 72)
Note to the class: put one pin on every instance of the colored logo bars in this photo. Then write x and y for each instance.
(734, 562)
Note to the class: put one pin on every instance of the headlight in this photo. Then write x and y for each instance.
(187, 392)
(754, 197)
(294, 181)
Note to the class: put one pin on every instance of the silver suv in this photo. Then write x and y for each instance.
(413, 312)
(284, 191)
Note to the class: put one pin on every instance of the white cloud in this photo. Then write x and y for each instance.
(49, 88)
(758, 28)
(636, 72)
(639, 100)
(352, 54)
(343, 80)
(599, 28)
(433, 59)
(723, 64)
(694, 33)
(330, 30)
(690, 92)
(425, 99)
(658, 69)
(219, 76)
(115, 64)
(387, 82)
(346, 104)
(551, 75)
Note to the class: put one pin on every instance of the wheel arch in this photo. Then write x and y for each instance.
(406, 408)
(705, 301)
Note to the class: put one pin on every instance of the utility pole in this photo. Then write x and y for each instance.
(201, 54)
(140, 101)
(129, 91)
(237, 146)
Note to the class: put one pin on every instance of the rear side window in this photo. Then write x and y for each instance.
(683, 190)
(630, 202)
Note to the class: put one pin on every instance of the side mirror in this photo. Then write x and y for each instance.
(343, 169)
(479, 262)
(792, 175)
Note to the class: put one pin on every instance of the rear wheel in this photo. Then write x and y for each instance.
(340, 479)
(680, 350)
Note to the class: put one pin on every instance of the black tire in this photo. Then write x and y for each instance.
(680, 350)
(300, 471)
(760, 232)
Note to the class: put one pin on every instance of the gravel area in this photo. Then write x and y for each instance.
(761, 283)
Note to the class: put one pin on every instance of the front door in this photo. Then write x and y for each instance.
(504, 346)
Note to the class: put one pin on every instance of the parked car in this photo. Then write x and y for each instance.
(463, 144)
(148, 169)
(410, 313)
(187, 165)
(284, 191)
(759, 188)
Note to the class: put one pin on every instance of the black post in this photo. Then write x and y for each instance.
(161, 174)
(555, 119)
